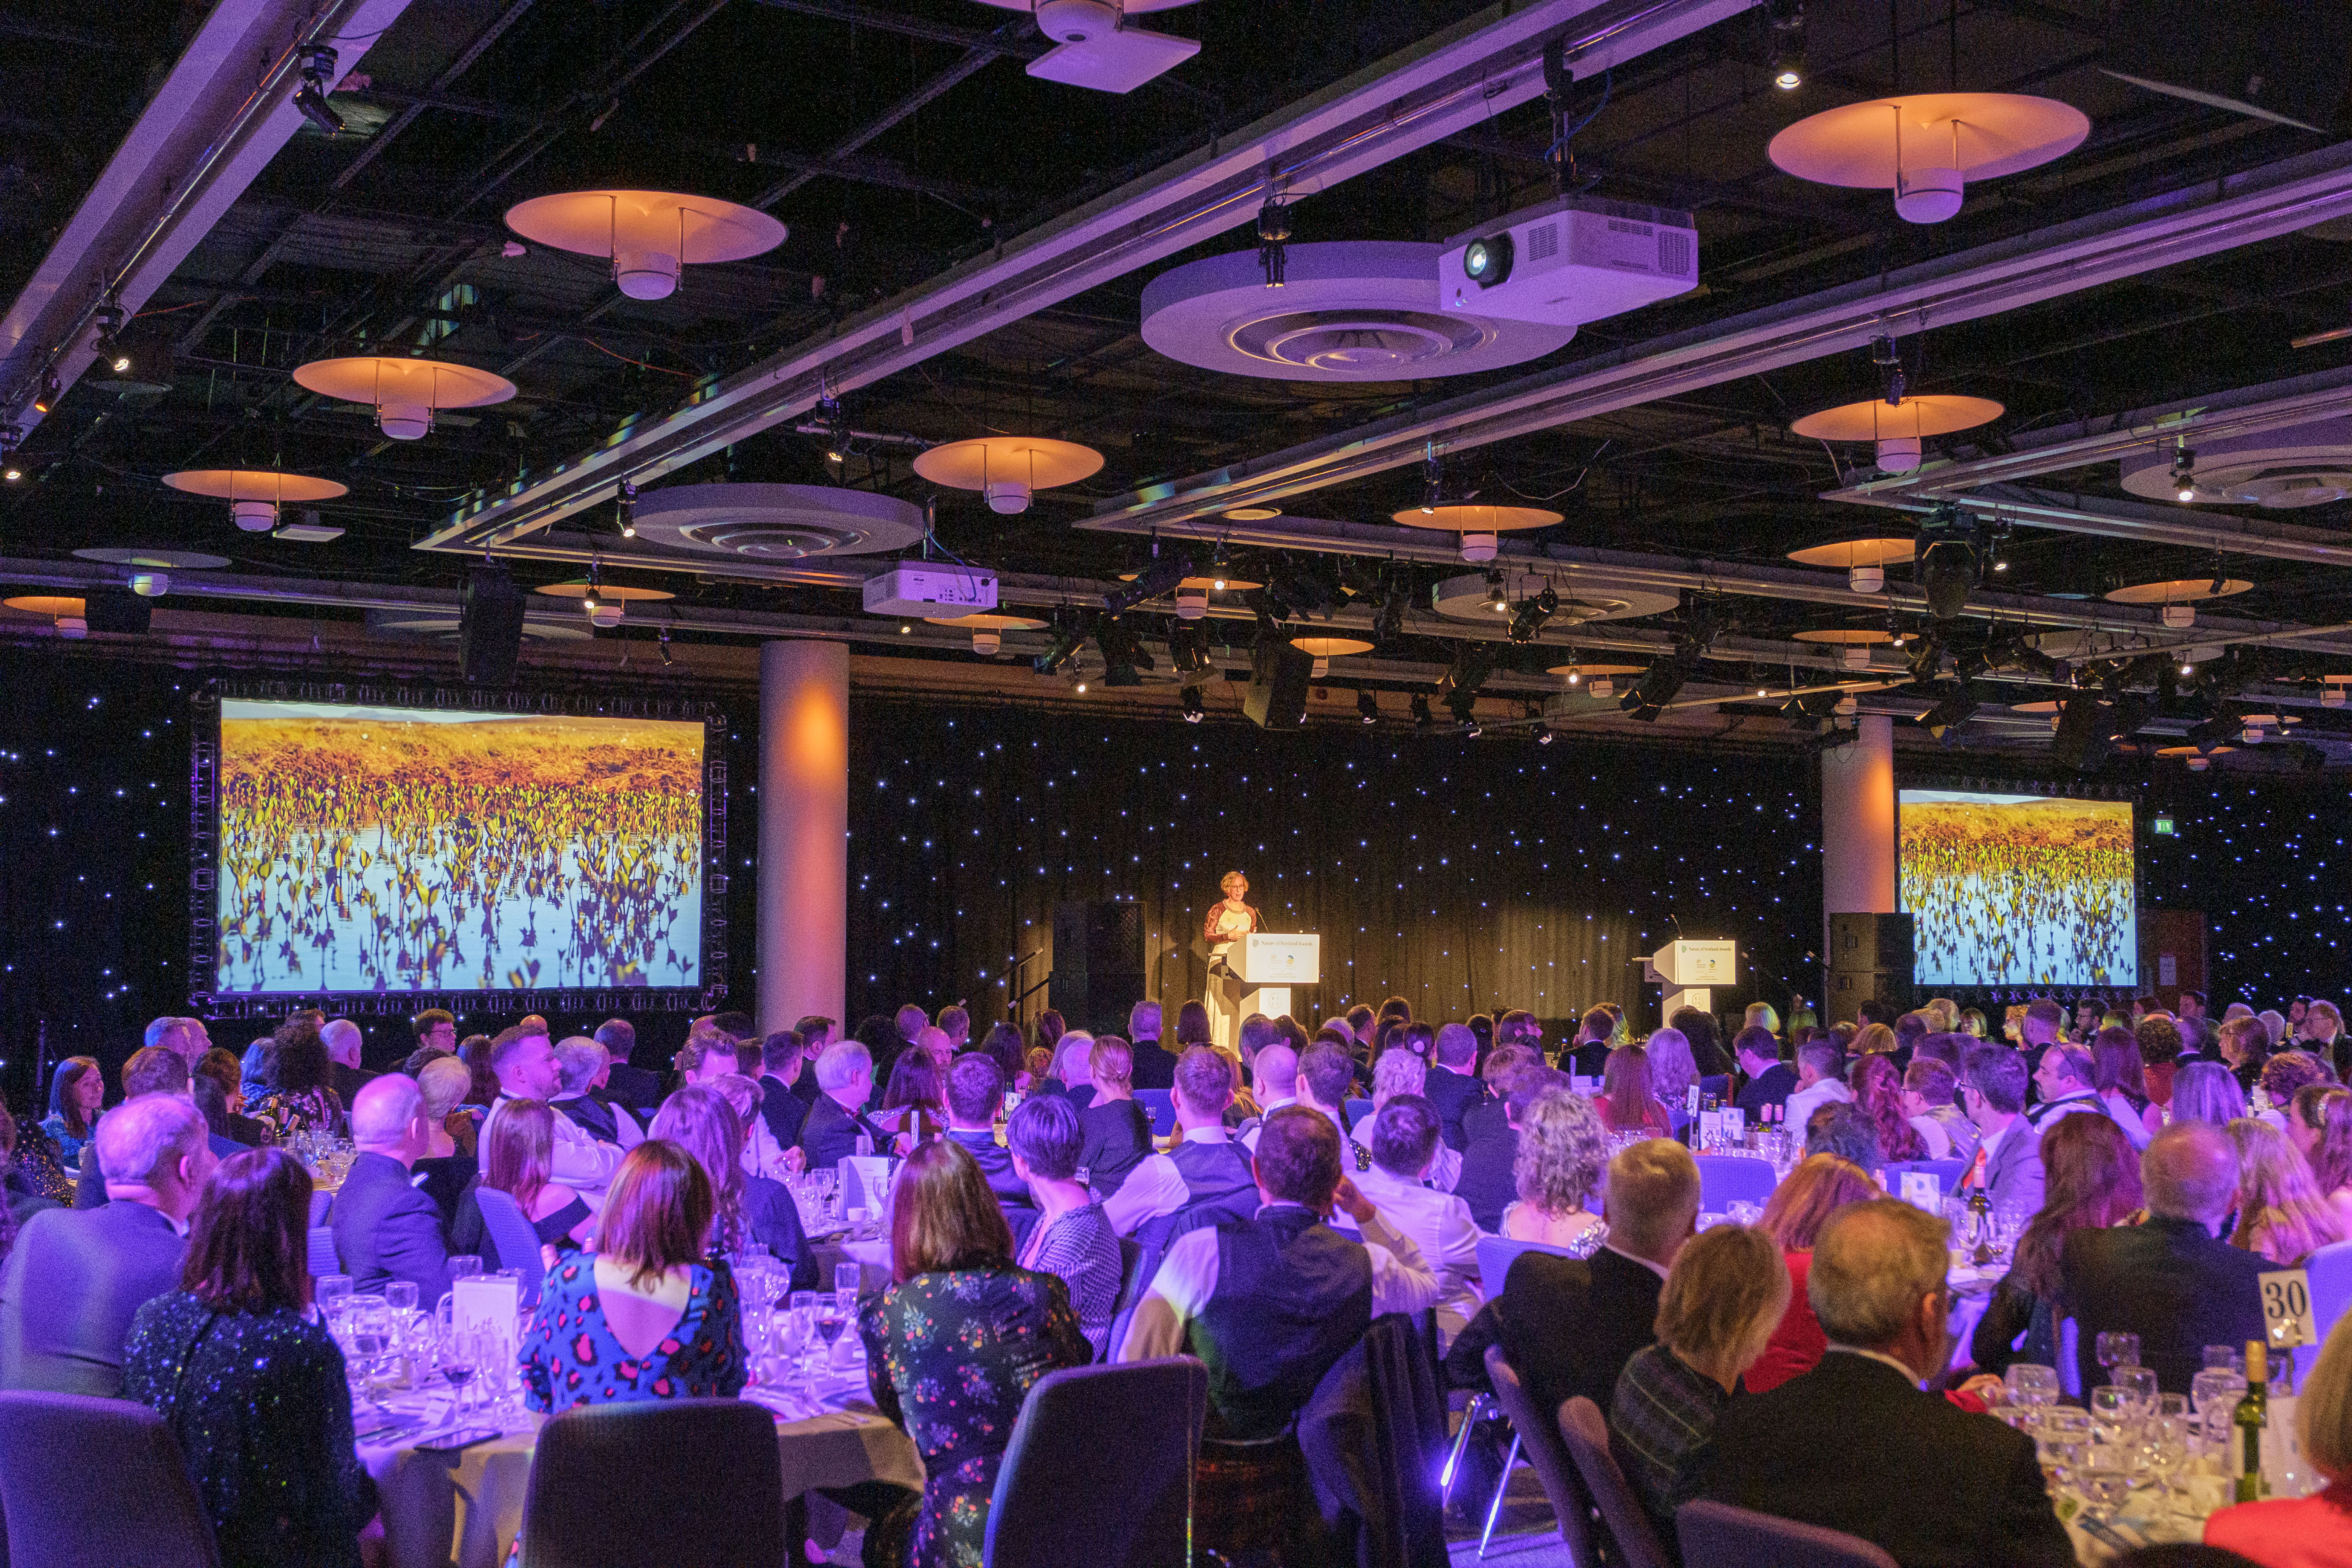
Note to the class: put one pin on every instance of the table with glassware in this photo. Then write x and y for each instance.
(417, 1377)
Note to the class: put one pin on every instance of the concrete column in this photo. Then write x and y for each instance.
(804, 931)
(1858, 823)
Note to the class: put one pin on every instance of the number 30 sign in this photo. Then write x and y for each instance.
(2286, 1307)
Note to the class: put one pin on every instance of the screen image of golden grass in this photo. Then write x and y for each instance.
(2019, 889)
(387, 849)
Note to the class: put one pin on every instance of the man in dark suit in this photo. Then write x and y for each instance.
(151, 1070)
(1934, 1485)
(975, 1091)
(1155, 1065)
(344, 1075)
(779, 1067)
(844, 1081)
(1589, 1054)
(385, 1228)
(1770, 1080)
(1490, 1136)
(1569, 1325)
(633, 1089)
(74, 1280)
(816, 1031)
(1453, 1086)
(2170, 1281)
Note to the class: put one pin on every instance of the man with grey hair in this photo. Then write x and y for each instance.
(836, 1125)
(183, 1038)
(76, 1278)
(1819, 1082)
(1877, 1286)
(1153, 1065)
(342, 1038)
(2172, 1280)
(385, 1230)
(581, 1067)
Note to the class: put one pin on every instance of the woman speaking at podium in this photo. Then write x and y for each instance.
(1229, 920)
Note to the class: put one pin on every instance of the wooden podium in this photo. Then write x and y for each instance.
(1689, 970)
(1269, 963)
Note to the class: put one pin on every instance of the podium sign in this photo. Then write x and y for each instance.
(1689, 971)
(1269, 963)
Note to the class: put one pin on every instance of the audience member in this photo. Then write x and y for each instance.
(74, 1280)
(1490, 1153)
(1878, 1099)
(2091, 1181)
(837, 1126)
(2284, 1075)
(1674, 1073)
(517, 1150)
(2063, 1076)
(1073, 1053)
(647, 1315)
(1153, 1066)
(385, 1228)
(2329, 1143)
(1770, 1080)
(1205, 1179)
(434, 1030)
(1793, 1217)
(914, 1103)
(2282, 1214)
(1928, 1088)
(1070, 1238)
(1626, 1103)
(2244, 1046)
(1404, 1145)
(1117, 1131)
(975, 1093)
(1877, 1286)
(151, 1070)
(1397, 1070)
(1844, 1131)
(1705, 1043)
(1453, 1085)
(2008, 1164)
(249, 1381)
(2120, 1077)
(1327, 1079)
(632, 1087)
(1002, 1045)
(2170, 1279)
(1722, 1297)
(296, 1094)
(952, 1347)
(705, 1056)
(1589, 1052)
(475, 1052)
(1562, 1150)
(2313, 1531)
(955, 1023)
(2207, 1092)
(1818, 1080)
(1569, 1325)
(449, 1163)
(344, 1074)
(579, 1065)
(77, 1093)
(2159, 1043)
(744, 1208)
(524, 1061)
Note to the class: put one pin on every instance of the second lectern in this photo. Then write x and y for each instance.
(1688, 970)
(1270, 963)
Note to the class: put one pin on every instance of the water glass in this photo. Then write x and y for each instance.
(465, 1266)
(400, 1295)
(2140, 1381)
(461, 1360)
(2230, 1358)
(2104, 1480)
(2115, 1416)
(2031, 1385)
(332, 1295)
(846, 1280)
(2115, 1349)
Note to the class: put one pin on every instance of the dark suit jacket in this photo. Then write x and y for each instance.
(73, 1283)
(1569, 1325)
(386, 1229)
(1771, 1087)
(1155, 1065)
(346, 1081)
(90, 1185)
(830, 1133)
(2167, 1281)
(1587, 1058)
(634, 1088)
(1453, 1093)
(1853, 1446)
(784, 1112)
(1489, 1147)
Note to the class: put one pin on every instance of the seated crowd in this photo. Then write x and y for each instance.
(1299, 1187)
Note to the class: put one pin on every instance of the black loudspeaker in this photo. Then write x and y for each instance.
(1849, 988)
(1869, 943)
(1097, 964)
(114, 610)
(1277, 698)
(490, 626)
(2235, 55)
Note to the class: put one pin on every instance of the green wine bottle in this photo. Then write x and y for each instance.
(2251, 1417)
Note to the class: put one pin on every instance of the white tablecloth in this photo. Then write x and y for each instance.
(464, 1509)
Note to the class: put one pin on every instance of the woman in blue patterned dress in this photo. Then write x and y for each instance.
(645, 1316)
(952, 1347)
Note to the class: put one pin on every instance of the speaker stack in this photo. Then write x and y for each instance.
(489, 628)
(1097, 964)
(1870, 956)
(1279, 674)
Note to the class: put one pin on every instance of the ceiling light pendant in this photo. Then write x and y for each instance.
(404, 393)
(2332, 694)
(988, 631)
(1008, 471)
(69, 615)
(1928, 147)
(1600, 685)
(650, 236)
(1897, 430)
(2176, 599)
(2199, 763)
(1323, 651)
(606, 605)
(1476, 523)
(151, 585)
(254, 495)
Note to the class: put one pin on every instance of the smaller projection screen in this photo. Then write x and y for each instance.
(405, 850)
(2018, 890)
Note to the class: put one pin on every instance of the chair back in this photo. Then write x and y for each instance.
(657, 1455)
(1495, 1254)
(1718, 1533)
(324, 1261)
(1160, 1104)
(2329, 1270)
(1587, 1437)
(1373, 1437)
(1948, 1173)
(1726, 1179)
(511, 1233)
(1131, 1285)
(1541, 1441)
(321, 1204)
(1065, 1496)
(96, 1483)
(1356, 1110)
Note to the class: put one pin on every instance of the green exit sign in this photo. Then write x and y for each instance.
(2163, 828)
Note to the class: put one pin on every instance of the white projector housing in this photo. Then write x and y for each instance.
(1569, 261)
(930, 589)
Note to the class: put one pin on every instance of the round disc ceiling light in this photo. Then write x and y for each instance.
(1926, 148)
(1476, 524)
(151, 569)
(1323, 651)
(1853, 643)
(1864, 560)
(606, 603)
(403, 392)
(1898, 429)
(2178, 599)
(775, 523)
(253, 495)
(1192, 592)
(1348, 310)
(441, 626)
(69, 615)
(649, 235)
(1008, 470)
(988, 631)
(2308, 465)
(1586, 596)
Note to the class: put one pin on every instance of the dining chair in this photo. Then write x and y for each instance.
(1718, 1533)
(516, 1242)
(1068, 1497)
(628, 1485)
(96, 1483)
(1547, 1457)
(324, 1261)
(1728, 1179)
(1160, 1104)
(1587, 1437)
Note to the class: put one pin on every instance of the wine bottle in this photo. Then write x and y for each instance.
(2251, 1418)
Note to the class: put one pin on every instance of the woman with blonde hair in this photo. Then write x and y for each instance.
(1799, 1206)
(1725, 1294)
(2282, 1214)
(1116, 1130)
(453, 1158)
(1399, 1069)
(1672, 1069)
(1627, 1103)
(1872, 1040)
(745, 1208)
(1563, 1150)
(518, 1155)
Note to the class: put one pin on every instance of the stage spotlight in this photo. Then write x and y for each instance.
(2184, 472)
(1530, 618)
(1195, 710)
(1188, 647)
(2126, 716)
(1951, 713)
(1124, 658)
(1389, 625)
(1950, 560)
(1544, 736)
(318, 78)
(2214, 731)
(1473, 663)
(1657, 687)
(2081, 740)
(1162, 574)
(1463, 705)
(1498, 594)
(1787, 24)
(1368, 707)
(1060, 651)
(1420, 715)
(627, 511)
(1219, 569)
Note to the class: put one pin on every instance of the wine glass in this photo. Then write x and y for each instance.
(2031, 1385)
(461, 1358)
(845, 1278)
(2104, 1478)
(368, 1336)
(2140, 1381)
(830, 1321)
(2115, 1415)
(2115, 1350)
(332, 1295)
(465, 1266)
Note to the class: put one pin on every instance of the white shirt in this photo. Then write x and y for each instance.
(1401, 1282)
(1155, 1187)
(580, 1161)
(1441, 1228)
(1803, 1102)
(1249, 1134)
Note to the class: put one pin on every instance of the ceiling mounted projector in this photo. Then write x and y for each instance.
(2304, 465)
(1570, 261)
(1096, 44)
(1348, 310)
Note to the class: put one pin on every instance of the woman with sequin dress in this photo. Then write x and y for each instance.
(296, 1094)
(952, 1347)
(251, 1385)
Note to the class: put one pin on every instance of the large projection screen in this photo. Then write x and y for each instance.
(406, 849)
(2019, 889)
